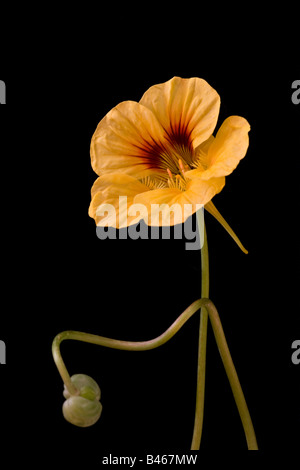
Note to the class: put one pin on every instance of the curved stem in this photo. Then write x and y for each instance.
(198, 424)
(159, 341)
(117, 344)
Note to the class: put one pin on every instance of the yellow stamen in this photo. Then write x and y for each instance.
(181, 167)
(176, 182)
(180, 183)
(171, 182)
(170, 174)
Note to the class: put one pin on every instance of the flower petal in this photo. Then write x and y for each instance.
(186, 108)
(128, 140)
(118, 191)
(226, 150)
(170, 206)
(163, 207)
(202, 191)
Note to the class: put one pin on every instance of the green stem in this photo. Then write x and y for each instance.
(117, 344)
(159, 341)
(232, 377)
(198, 423)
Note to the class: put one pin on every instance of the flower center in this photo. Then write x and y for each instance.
(173, 179)
(180, 180)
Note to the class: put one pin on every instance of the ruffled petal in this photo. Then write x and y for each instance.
(226, 150)
(112, 198)
(129, 139)
(202, 191)
(187, 109)
(200, 160)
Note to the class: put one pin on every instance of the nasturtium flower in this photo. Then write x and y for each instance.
(160, 153)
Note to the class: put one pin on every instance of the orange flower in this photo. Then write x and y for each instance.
(161, 156)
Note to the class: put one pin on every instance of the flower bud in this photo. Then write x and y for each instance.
(84, 408)
(87, 387)
(81, 411)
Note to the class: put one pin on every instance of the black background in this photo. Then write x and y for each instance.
(58, 275)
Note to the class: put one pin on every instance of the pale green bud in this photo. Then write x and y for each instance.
(87, 387)
(85, 408)
(81, 411)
